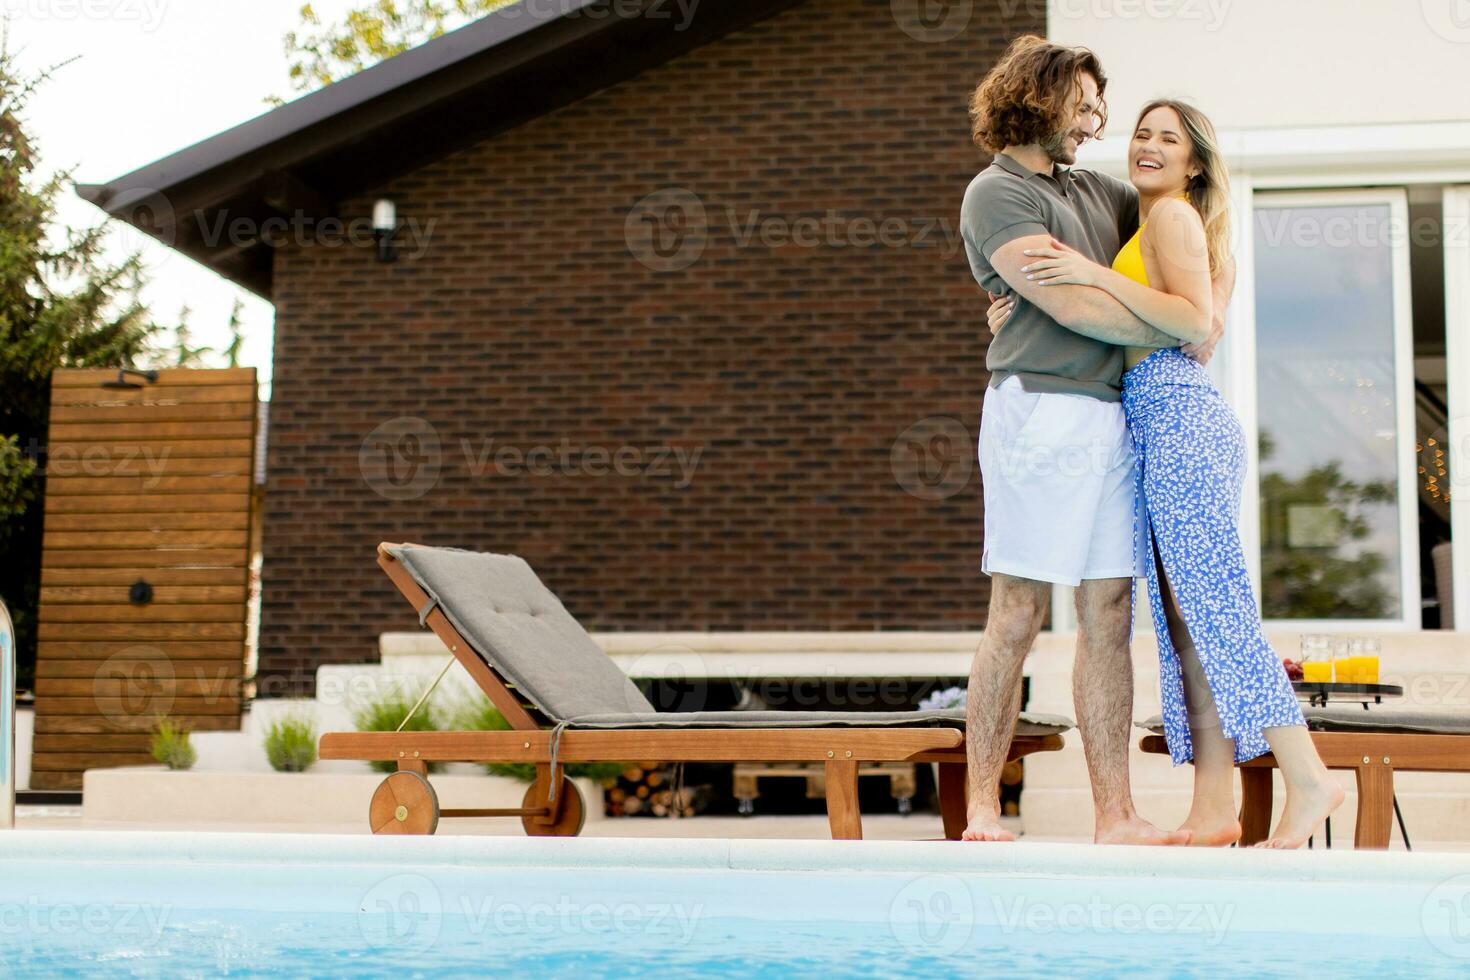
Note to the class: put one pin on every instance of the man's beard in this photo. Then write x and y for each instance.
(1056, 150)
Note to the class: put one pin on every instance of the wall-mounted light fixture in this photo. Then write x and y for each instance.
(385, 223)
(121, 381)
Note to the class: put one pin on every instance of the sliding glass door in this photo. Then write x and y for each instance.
(1457, 350)
(1334, 404)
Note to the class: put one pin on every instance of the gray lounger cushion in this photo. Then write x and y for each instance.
(522, 630)
(1355, 719)
(519, 626)
(1029, 724)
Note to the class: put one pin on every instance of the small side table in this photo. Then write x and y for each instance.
(1319, 693)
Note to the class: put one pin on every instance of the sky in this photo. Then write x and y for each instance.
(143, 79)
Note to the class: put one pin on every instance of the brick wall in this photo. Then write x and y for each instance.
(823, 380)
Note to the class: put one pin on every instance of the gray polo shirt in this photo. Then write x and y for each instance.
(1091, 212)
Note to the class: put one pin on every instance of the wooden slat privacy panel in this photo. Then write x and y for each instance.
(147, 485)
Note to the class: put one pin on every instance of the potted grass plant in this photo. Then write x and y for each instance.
(290, 745)
(388, 713)
(170, 746)
(480, 715)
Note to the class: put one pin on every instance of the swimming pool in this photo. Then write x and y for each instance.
(150, 904)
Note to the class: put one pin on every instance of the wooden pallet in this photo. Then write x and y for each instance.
(902, 783)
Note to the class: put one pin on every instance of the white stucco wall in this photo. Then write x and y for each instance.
(1278, 63)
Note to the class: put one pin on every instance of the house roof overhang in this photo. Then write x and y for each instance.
(297, 161)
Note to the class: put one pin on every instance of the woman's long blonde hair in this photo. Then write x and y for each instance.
(1209, 190)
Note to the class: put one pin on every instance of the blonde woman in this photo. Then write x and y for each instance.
(1225, 695)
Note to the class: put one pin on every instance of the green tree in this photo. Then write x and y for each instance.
(61, 305)
(182, 353)
(320, 54)
(237, 334)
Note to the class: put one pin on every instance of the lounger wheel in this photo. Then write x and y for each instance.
(404, 803)
(571, 810)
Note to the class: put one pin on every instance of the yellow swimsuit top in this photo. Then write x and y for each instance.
(1129, 260)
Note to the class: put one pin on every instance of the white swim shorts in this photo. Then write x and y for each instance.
(1058, 475)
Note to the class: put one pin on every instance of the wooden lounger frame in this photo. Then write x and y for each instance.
(1373, 756)
(839, 749)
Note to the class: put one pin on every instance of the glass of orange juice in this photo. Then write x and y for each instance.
(1317, 671)
(1345, 661)
(1367, 657)
(1316, 658)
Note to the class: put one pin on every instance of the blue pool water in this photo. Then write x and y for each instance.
(344, 910)
(196, 943)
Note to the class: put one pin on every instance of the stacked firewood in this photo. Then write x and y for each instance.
(1011, 778)
(646, 789)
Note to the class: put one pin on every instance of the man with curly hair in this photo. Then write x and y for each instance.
(1055, 457)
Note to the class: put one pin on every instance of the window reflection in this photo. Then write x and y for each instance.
(1330, 545)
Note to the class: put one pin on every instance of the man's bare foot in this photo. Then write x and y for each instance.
(986, 826)
(1211, 832)
(1305, 810)
(1136, 830)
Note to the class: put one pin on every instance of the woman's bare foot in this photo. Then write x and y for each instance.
(1306, 808)
(1211, 832)
(1212, 821)
(1136, 830)
(986, 826)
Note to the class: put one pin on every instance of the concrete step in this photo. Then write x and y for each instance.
(1068, 768)
(152, 795)
(349, 688)
(244, 750)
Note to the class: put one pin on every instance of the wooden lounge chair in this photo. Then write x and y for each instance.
(567, 701)
(1373, 744)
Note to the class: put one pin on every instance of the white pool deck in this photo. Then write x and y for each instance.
(1054, 858)
(886, 827)
(876, 827)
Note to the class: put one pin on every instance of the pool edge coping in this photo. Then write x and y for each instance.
(1022, 858)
